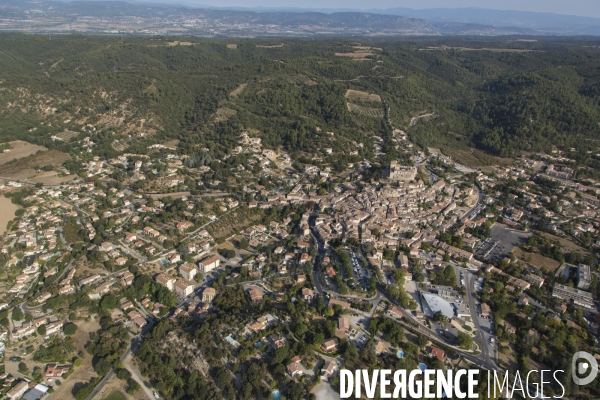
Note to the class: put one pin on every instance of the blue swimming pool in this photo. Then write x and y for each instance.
(422, 367)
(400, 354)
(276, 394)
(258, 344)
(229, 339)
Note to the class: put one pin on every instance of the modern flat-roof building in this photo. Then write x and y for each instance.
(434, 304)
(584, 277)
(577, 296)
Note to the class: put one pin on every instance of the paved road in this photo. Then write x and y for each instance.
(479, 200)
(487, 352)
(34, 183)
(26, 308)
(484, 359)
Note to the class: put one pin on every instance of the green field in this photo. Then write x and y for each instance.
(116, 395)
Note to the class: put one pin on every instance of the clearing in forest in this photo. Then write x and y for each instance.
(177, 43)
(357, 55)
(275, 46)
(238, 90)
(66, 135)
(371, 112)
(223, 114)
(302, 80)
(475, 158)
(362, 96)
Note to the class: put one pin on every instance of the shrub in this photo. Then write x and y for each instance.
(132, 386)
(123, 374)
(86, 390)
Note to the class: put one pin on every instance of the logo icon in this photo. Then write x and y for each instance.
(581, 367)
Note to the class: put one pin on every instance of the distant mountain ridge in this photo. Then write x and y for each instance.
(58, 16)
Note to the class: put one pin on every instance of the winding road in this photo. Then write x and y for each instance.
(484, 360)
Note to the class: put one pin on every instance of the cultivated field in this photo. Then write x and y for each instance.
(22, 169)
(475, 158)
(362, 96)
(233, 222)
(7, 212)
(371, 112)
(231, 46)
(20, 149)
(223, 114)
(357, 55)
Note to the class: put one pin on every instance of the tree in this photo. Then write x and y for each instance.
(243, 243)
(37, 374)
(465, 341)
(41, 330)
(351, 354)
(23, 368)
(17, 314)
(102, 367)
(108, 302)
(123, 374)
(69, 329)
(86, 390)
(440, 317)
(300, 330)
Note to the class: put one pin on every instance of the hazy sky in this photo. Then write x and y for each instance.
(589, 8)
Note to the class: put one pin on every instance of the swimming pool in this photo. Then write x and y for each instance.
(232, 341)
(400, 354)
(276, 394)
(422, 367)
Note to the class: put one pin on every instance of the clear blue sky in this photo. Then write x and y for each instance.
(588, 8)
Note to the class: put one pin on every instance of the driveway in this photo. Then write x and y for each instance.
(324, 391)
(135, 375)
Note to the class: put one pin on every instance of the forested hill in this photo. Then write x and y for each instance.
(499, 95)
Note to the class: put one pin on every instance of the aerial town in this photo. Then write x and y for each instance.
(430, 264)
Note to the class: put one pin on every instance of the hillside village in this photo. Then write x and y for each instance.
(430, 264)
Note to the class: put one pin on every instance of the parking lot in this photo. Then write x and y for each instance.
(356, 333)
(476, 211)
(501, 243)
(361, 275)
